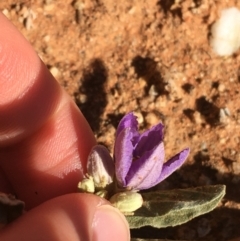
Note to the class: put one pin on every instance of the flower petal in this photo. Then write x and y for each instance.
(173, 164)
(100, 166)
(146, 170)
(149, 140)
(128, 120)
(123, 154)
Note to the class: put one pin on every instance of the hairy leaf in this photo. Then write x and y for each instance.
(173, 207)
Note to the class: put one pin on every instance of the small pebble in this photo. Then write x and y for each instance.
(197, 117)
(222, 116)
(82, 98)
(221, 87)
(224, 113)
(227, 111)
(152, 118)
(153, 92)
(5, 12)
(46, 38)
(54, 71)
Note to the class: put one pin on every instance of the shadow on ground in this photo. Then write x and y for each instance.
(91, 97)
(146, 68)
(167, 6)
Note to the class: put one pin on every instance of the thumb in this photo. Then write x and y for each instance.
(70, 217)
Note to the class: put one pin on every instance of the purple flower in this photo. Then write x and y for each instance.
(139, 158)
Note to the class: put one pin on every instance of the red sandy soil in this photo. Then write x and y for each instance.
(153, 58)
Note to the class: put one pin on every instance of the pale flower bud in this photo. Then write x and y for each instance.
(86, 185)
(100, 166)
(102, 193)
(127, 202)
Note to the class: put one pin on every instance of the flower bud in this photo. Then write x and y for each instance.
(102, 193)
(127, 202)
(86, 185)
(100, 166)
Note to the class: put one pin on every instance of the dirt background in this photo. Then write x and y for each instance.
(154, 58)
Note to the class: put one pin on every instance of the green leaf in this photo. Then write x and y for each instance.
(174, 207)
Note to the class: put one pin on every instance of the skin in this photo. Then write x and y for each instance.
(44, 144)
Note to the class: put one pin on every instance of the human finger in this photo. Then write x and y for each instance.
(70, 217)
(44, 139)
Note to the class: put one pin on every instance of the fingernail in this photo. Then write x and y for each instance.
(109, 224)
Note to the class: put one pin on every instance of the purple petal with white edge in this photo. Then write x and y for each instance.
(123, 155)
(173, 164)
(100, 166)
(129, 120)
(146, 170)
(149, 139)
